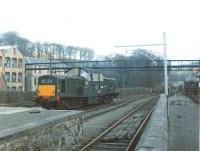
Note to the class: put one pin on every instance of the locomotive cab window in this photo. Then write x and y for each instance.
(46, 81)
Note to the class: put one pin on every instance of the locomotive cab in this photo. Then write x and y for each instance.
(46, 86)
(55, 90)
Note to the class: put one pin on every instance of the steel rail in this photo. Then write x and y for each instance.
(113, 126)
(134, 140)
(114, 106)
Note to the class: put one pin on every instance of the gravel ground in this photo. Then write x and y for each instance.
(183, 124)
(17, 116)
(94, 126)
(128, 127)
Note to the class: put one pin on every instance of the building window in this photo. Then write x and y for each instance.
(13, 88)
(19, 63)
(7, 62)
(14, 62)
(14, 77)
(19, 77)
(35, 81)
(20, 88)
(7, 76)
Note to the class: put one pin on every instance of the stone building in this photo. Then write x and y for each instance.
(32, 75)
(12, 67)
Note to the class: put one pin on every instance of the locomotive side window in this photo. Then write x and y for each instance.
(62, 86)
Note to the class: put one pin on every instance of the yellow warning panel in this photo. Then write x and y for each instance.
(46, 90)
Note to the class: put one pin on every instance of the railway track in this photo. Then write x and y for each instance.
(123, 134)
(194, 98)
(96, 111)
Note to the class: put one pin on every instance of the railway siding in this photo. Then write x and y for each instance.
(155, 136)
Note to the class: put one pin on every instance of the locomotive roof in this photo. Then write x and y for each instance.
(191, 79)
(39, 60)
(198, 75)
(63, 77)
(106, 78)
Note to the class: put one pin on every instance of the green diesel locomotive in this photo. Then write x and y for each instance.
(72, 92)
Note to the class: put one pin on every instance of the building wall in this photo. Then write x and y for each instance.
(1, 61)
(32, 78)
(12, 66)
(3, 86)
(198, 80)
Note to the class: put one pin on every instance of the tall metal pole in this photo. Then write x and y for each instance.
(165, 59)
(50, 65)
(165, 65)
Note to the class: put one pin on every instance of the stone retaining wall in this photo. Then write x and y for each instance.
(59, 133)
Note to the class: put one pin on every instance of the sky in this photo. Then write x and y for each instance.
(104, 24)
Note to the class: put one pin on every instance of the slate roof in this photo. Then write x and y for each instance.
(6, 47)
(36, 60)
(39, 60)
(191, 79)
(198, 75)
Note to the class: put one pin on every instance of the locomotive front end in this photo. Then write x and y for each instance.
(46, 92)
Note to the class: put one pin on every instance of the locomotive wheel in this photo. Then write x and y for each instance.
(78, 104)
(46, 105)
(59, 106)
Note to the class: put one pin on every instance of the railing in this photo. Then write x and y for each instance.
(123, 92)
(108, 65)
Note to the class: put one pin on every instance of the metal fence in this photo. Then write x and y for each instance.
(23, 97)
(15, 97)
(123, 92)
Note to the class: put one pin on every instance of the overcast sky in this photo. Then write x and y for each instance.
(103, 24)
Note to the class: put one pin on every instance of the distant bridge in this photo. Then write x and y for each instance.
(110, 65)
